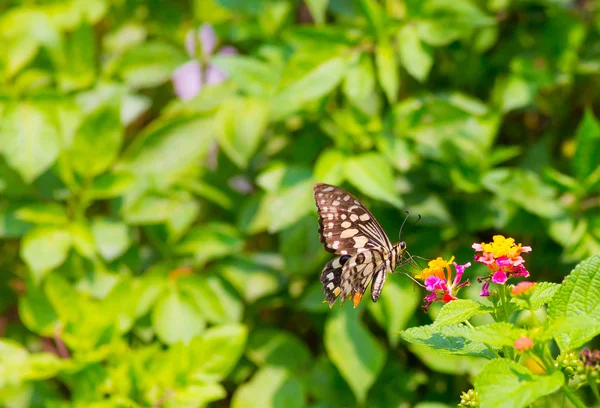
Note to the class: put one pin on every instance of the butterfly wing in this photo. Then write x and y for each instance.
(346, 226)
(348, 277)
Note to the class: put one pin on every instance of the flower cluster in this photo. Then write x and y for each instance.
(192, 76)
(504, 260)
(438, 280)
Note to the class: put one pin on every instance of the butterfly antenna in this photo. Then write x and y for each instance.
(402, 226)
(418, 219)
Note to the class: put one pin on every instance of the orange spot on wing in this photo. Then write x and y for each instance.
(356, 299)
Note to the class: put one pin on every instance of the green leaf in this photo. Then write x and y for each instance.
(354, 351)
(394, 310)
(513, 93)
(176, 318)
(459, 311)
(110, 185)
(251, 280)
(578, 298)
(214, 354)
(240, 125)
(542, 294)
(36, 311)
(376, 16)
(301, 248)
(196, 395)
(272, 347)
(503, 383)
(29, 140)
(270, 387)
(415, 56)
(149, 64)
(170, 148)
(587, 146)
(317, 8)
(97, 141)
(446, 340)
(496, 334)
(210, 241)
(359, 81)
(218, 301)
(18, 365)
(45, 248)
(314, 85)
(77, 61)
(111, 237)
(329, 167)
(83, 239)
(291, 205)
(372, 175)
(43, 213)
(255, 77)
(387, 70)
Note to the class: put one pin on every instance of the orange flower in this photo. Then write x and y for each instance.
(523, 344)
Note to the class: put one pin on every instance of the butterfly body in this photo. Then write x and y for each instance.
(348, 229)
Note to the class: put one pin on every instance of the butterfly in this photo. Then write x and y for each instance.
(348, 229)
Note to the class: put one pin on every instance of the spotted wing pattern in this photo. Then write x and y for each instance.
(347, 228)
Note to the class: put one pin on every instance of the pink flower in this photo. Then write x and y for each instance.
(503, 258)
(499, 277)
(189, 78)
(523, 288)
(523, 344)
(437, 278)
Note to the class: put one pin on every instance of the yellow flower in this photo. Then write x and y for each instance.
(436, 267)
(501, 246)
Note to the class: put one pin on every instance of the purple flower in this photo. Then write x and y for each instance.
(189, 78)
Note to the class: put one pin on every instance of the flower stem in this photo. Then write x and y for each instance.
(572, 397)
(508, 352)
(594, 388)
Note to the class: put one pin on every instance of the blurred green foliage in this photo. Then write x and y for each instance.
(164, 252)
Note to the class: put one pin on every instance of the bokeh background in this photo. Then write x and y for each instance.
(159, 240)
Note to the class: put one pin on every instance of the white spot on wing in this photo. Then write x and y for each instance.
(329, 276)
(328, 189)
(336, 203)
(330, 225)
(343, 216)
(347, 198)
(360, 241)
(336, 244)
(330, 286)
(330, 216)
(349, 233)
(344, 252)
(354, 217)
(346, 224)
(365, 217)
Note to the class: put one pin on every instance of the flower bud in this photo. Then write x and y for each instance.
(469, 399)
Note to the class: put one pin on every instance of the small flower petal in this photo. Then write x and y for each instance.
(208, 39)
(522, 288)
(499, 277)
(526, 249)
(523, 344)
(190, 43)
(187, 80)
(460, 270)
(477, 247)
(228, 50)
(214, 75)
(485, 289)
(448, 298)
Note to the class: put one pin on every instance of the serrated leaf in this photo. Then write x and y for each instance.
(354, 351)
(416, 57)
(372, 175)
(542, 294)
(387, 70)
(578, 297)
(240, 125)
(587, 146)
(446, 340)
(314, 85)
(459, 311)
(507, 384)
(496, 334)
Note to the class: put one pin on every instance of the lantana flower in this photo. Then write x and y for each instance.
(523, 344)
(190, 77)
(438, 280)
(504, 260)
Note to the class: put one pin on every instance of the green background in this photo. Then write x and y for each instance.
(135, 272)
